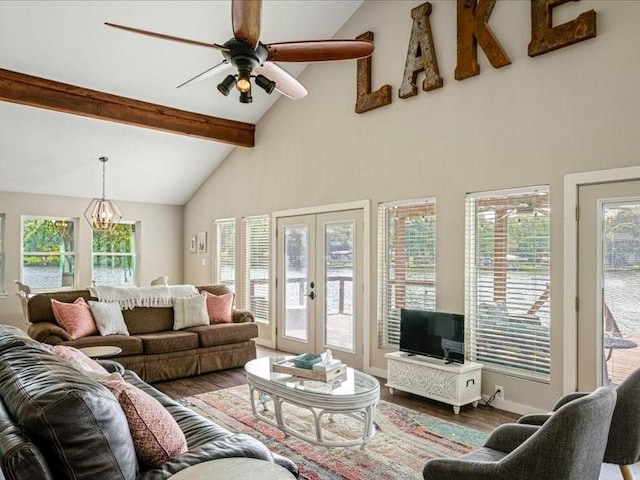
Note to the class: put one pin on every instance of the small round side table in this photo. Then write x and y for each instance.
(101, 351)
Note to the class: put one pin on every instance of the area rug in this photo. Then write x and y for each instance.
(404, 439)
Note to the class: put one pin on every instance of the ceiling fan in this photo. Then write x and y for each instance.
(252, 58)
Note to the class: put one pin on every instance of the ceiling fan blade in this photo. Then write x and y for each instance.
(286, 83)
(219, 68)
(167, 37)
(245, 17)
(319, 50)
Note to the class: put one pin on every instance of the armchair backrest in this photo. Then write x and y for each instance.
(623, 447)
(571, 444)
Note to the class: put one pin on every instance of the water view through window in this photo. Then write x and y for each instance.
(621, 289)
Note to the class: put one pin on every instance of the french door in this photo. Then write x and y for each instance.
(319, 285)
(608, 283)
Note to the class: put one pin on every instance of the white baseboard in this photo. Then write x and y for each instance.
(264, 343)
(512, 406)
(376, 372)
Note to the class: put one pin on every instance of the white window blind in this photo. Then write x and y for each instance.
(225, 232)
(406, 263)
(507, 281)
(256, 266)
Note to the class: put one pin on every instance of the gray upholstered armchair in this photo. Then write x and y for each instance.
(623, 445)
(569, 446)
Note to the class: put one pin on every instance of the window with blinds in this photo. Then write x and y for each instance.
(225, 235)
(406, 263)
(256, 266)
(507, 304)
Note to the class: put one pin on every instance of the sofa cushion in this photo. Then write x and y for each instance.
(39, 306)
(148, 319)
(108, 317)
(156, 435)
(219, 307)
(76, 423)
(165, 342)
(130, 345)
(189, 312)
(75, 317)
(224, 333)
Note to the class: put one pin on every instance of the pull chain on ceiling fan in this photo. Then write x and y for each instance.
(254, 59)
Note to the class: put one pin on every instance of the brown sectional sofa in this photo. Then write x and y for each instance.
(153, 349)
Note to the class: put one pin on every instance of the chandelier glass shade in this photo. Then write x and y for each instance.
(102, 214)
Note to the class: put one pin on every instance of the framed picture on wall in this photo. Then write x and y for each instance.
(193, 244)
(202, 242)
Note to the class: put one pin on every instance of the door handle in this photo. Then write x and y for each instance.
(311, 295)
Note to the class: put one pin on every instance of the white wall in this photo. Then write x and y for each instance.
(160, 234)
(529, 123)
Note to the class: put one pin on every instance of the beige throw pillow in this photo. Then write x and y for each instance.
(108, 317)
(189, 312)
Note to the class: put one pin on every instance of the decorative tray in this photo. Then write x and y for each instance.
(287, 366)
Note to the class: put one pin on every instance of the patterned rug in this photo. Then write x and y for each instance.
(404, 439)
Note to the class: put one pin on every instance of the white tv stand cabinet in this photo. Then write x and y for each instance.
(453, 383)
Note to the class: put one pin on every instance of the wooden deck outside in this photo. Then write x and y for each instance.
(623, 361)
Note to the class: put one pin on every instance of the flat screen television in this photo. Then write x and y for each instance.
(432, 334)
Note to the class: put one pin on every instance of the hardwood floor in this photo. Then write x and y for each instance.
(481, 418)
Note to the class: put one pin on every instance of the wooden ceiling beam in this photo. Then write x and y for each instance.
(61, 97)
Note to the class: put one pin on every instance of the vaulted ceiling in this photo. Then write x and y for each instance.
(49, 152)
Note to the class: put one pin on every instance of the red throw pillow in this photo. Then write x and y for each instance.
(219, 307)
(75, 318)
(156, 435)
(70, 353)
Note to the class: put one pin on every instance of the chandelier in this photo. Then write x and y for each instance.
(102, 214)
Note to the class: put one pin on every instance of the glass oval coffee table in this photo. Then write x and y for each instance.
(355, 394)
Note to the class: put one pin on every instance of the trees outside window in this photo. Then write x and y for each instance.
(48, 252)
(114, 256)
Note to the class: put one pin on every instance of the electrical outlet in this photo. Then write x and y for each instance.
(499, 391)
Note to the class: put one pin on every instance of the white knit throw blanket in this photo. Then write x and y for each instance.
(131, 297)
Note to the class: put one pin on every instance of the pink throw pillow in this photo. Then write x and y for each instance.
(69, 353)
(75, 318)
(156, 435)
(219, 307)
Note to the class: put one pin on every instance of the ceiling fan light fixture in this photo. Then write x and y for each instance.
(243, 84)
(226, 85)
(266, 84)
(245, 97)
(102, 214)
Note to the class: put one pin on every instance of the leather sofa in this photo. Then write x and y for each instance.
(58, 423)
(153, 349)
